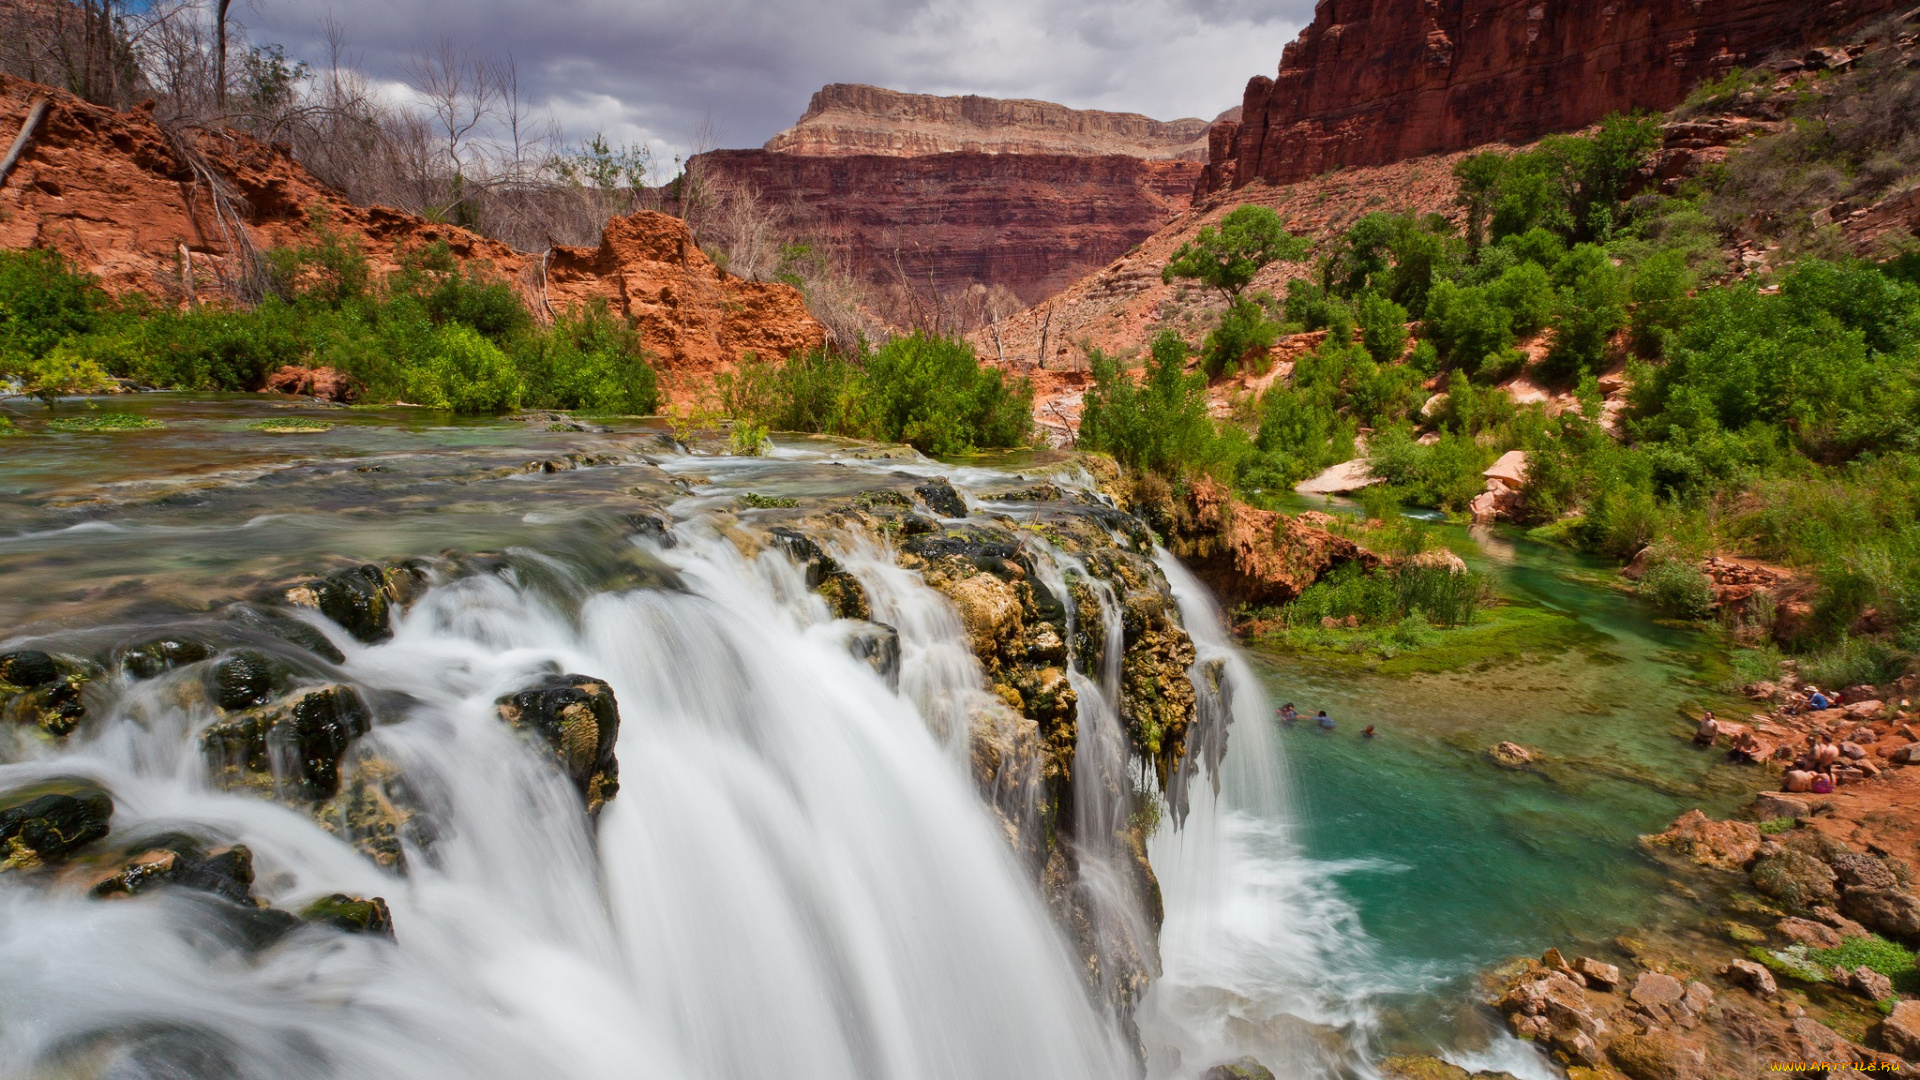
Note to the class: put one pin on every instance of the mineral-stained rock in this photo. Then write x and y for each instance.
(1726, 845)
(351, 914)
(1421, 1068)
(362, 599)
(1858, 870)
(41, 691)
(1511, 755)
(1901, 1030)
(1772, 806)
(1847, 927)
(293, 745)
(376, 811)
(1245, 554)
(1893, 912)
(1653, 990)
(578, 718)
(1599, 976)
(1754, 977)
(47, 822)
(940, 498)
(842, 591)
(1864, 981)
(184, 862)
(878, 645)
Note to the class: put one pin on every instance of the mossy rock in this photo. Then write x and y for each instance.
(47, 822)
(362, 599)
(376, 811)
(351, 914)
(1794, 878)
(1244, 1069)
(248, 678)
(578, 719)
(41, 691)
(941, 498)
(1741, 934)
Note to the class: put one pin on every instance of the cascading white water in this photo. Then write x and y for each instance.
(1260, 953)
(795, 879)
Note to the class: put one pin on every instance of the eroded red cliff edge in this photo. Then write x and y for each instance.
(1371, 82)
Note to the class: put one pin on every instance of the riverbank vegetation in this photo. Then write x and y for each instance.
(1703, 406)
(435, 333)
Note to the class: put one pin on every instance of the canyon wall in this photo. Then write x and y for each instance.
(1033, 223)
(847, 119)
(1370, 82)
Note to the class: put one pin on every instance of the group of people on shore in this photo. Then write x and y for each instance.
(1817, 769)
(1745, 746)
(1290, 716)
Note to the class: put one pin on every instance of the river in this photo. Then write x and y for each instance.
(797, 877)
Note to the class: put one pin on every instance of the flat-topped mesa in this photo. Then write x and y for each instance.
(1371, 83)
(846, 119)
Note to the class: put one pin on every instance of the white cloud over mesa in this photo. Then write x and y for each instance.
(679, 76)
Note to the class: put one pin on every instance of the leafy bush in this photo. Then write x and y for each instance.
(43, 301)
(1383, 328)
(463, 371)
(1227, 257)
(1677, 589)
(1853, 661)
(591, 361)
(1244, 332)
(1157, 425)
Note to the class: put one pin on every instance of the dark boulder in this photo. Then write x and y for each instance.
(362, 599)
(42, 691)
(1794, 878)
(293, 745)
(940, 498)
(578, 719)
(1861, 871)
(47, 822)
(150, 659)
(351, 914)
(879, 646)
(1893, 912)
(247, 679)
(28, 669)
(843, 594)
(182, 861)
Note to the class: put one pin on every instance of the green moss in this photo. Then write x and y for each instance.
(1777, 825)
(1876, 953)
(7, 428)
(1742, 934)
(1500, 635)
(102, 422)
(758, 501)
(291, 425)
(1795, 962)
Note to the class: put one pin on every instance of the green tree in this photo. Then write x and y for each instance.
(1248, 239)
(1158, 425)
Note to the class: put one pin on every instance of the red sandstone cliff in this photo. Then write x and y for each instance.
(1032, 222)
(1370, 82)
(846, 119)
(117, 195)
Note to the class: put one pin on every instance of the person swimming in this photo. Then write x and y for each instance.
(1325, 721)
(1368, 733)
(1288, 714)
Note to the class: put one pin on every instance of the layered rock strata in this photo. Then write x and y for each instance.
(848, 119)
(1369, 83)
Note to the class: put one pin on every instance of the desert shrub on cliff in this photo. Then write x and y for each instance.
(1227, 257)
(1244, 335)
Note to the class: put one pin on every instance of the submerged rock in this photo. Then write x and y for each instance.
(842, 592)
(1244, 1069)
(579, 720)
(48, 822)
(878, 645)
(151, 659)
(351, 914)
(1725, 845)
(181, 861)
(294, 745)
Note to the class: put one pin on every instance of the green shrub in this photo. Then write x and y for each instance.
(1228, 256)
(1853, 661)
(1677, 589)
(934, 394)
(1244, 333)
(591, 361)
(1159, 424)
(43, 301)
(463, 371)
(1383, 328)
(1876, 954)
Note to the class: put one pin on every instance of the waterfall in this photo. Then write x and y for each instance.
(796, 878)
(1261, 955)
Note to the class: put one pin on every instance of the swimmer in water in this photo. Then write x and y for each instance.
(1368, 733)
(1325, 721)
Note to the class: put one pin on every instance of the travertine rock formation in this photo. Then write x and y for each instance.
(1031, 222)
(1370, 82)
(847, 119)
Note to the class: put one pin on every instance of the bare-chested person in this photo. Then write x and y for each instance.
(1709, 730)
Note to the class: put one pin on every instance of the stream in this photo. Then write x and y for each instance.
(798, 877)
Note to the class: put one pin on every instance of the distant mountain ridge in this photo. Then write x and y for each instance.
(848, 119)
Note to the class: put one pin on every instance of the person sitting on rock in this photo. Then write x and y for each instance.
(1826, 755)
(1288, 714)
(1798, 780)
(1325, 721)
(1818, 701)
(1745, 748)
(1709, 731)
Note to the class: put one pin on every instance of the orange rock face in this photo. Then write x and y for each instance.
(1255, 556)
(114, 193)
(1034, 223)
(1370, 82)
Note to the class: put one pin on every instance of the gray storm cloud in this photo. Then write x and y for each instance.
(740, 70)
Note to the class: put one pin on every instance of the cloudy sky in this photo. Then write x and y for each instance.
(661, 71)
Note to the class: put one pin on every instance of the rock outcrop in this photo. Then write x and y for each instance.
(846, 119)
(1369, 83)
(1245, 554)
(1030, 222)
(128, 201)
